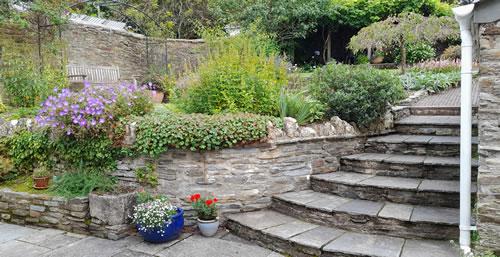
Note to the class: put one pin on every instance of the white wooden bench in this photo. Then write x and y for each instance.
(94, 74)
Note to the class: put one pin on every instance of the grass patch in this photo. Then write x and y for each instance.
(23, 184)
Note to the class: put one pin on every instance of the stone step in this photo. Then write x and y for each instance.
(294, 237)
(385, 218)
(432, 125)
(410, 166)
(417, 144)
(438, 111)
(443, 193)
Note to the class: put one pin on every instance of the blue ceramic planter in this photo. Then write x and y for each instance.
(172, 231)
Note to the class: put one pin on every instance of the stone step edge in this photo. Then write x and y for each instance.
(293, 246)
(417, 189)
(429, 122)
(355, 157)
(279, 198)
(380, 140)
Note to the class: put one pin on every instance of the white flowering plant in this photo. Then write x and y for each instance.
(154, 215)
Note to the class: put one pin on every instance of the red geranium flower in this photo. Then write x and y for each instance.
(216, 200)
(208, 202)
(195, 197)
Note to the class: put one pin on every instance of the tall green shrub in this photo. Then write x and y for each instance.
(241, 74)
(357, 94)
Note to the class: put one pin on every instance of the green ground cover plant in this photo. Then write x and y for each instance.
(197, 132)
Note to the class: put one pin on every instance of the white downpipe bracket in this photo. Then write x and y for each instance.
(463, 14)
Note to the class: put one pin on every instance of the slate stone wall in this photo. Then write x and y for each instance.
(97, 46)
(73, 215)
(489, 137)
(245, 178)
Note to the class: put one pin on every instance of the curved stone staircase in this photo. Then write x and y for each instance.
(398, 199)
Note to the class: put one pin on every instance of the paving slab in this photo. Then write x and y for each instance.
(301, 197)
(58, 241)
(90, 247)
(396, 211)
(445, 140)
(392, 182)
(11, 232)
(328, 202)
(391, 139)
(437, 160)
(152, 249)
(418, 139)
(429, 248)
(288, 230)
(430, 120)
(440, 186)
(345, 177)
(366, 245)
(317, 237)
(436, 215)
(405, 159)
(39, 236)
(130, 253)
(213, 247)
(261, 219)
(361, 207)
(16, 248)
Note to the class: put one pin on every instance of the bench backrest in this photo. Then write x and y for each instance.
(96, 74)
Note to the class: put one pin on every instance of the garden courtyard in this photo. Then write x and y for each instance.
(332, 128)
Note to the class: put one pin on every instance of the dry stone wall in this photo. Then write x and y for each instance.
(98, 46)
(245, 178)
(102, 216)
(489, 137)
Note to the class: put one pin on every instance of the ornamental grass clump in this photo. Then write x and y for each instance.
(205, 207)
(154, 216)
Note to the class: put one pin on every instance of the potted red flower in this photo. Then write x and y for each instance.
(206, 210)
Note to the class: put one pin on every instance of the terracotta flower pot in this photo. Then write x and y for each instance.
(157, 96)
(41, 183)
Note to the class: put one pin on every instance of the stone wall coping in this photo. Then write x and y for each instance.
(314, 139)
(137, 35)
(11, 192)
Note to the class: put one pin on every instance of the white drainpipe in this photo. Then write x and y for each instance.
(463, 15)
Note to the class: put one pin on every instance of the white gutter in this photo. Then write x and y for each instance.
(463, 14)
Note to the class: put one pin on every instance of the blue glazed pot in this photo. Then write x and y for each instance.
(172, 231)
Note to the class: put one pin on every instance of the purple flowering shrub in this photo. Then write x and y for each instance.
(93, 110)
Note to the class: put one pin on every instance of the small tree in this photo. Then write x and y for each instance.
(406, 28)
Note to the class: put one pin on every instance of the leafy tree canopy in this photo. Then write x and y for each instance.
(404, 29)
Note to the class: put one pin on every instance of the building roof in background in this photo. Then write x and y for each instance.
(94, 21)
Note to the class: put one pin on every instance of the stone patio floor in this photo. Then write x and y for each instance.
(19, 241)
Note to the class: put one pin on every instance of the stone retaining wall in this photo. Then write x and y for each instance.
(245, 178)
(98, 46)
(71, 215)
(489, 137)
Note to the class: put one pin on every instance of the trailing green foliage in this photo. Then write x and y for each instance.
(357, 94)
(433, 82)
(28, 149)
(156, 133)
(147, 175)
(238, 76)
(81, 183)
(300, 107)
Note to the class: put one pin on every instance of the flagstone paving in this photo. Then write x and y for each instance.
(19, 241)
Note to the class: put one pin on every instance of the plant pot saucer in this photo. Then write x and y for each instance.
(39, 188)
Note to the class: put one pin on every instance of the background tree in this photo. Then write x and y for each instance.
(406, 28)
